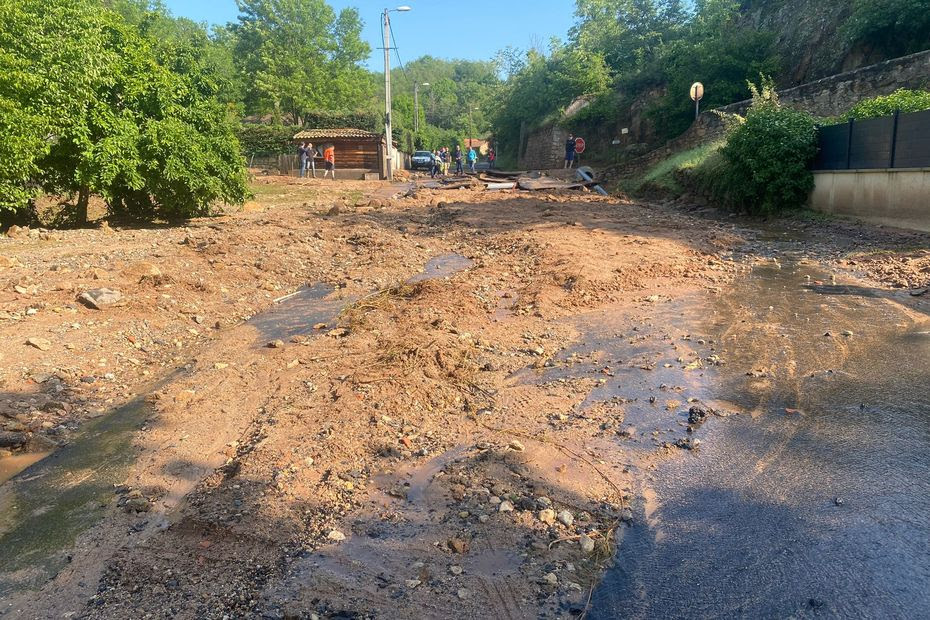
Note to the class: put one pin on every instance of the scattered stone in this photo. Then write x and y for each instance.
(455, 570)
(462, 594)
(550, 579)
(220, 366)
(688, 444)
(98, 298)
(517, 446)
(839, 501)
(458, 545)
(412, 583)
(333, 211)
(12, 440)
(566, 518)
(544, 502)
(276, 344)
(505, 506)
(547, 516)
(39, 343)
(336, 536)
(137, 503)
(6, 262)
(483, 518)
(319, 326)
(587, 543)
(847, 333)
(17, 232)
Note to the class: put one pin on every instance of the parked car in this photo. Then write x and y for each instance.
(421, 160)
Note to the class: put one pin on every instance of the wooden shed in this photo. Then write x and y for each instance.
(356, 149)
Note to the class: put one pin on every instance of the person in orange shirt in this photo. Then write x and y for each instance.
(329, 161)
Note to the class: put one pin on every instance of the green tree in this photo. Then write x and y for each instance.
(102, 115)
(715, 50)
(628, 33)
(895, 27)
(544, 87)
(298, 56)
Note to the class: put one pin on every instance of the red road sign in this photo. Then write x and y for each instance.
(579, 145)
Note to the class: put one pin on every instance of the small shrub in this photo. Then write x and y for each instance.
(765, 165)
(886, 105)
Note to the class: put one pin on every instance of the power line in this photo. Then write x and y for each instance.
(397, 53)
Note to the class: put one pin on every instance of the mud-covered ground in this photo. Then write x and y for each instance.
(389, 442)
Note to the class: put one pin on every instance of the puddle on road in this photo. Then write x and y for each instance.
(442, 266)
(819, 503)
(11, 466)
(649, 368)
(298, 314)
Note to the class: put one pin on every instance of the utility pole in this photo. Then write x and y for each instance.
(388, 133)
(388, 137)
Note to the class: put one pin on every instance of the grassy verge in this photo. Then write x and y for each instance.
(663, 177)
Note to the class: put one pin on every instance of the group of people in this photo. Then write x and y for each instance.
(306, 159)
(443, 158)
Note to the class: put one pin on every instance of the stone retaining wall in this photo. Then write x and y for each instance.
(831, 96)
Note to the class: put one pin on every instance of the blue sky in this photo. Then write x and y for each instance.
(472, 30)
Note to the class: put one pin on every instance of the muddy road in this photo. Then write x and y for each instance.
(353, 400)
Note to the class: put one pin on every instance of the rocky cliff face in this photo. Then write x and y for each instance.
(809, 37)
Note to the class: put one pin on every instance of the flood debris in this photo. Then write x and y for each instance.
(370, 414)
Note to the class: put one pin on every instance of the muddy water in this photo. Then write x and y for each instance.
(316, 308)
(442, 266)
(12, 465)
(816, 503)
(297, 315)
(46, 506)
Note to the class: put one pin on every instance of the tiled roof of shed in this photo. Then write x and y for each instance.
(324, 134)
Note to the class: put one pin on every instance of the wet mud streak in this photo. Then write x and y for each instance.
(45, 508)
(818, 504)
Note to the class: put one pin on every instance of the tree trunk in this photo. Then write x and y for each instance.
(83, 201)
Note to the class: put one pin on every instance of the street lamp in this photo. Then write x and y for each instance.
(416, 105)
(389, 172)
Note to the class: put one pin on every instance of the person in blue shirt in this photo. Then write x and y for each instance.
(472, 159)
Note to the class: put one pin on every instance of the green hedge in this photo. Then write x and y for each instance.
(764, 167)
(901, 99)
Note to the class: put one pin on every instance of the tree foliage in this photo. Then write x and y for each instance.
(543, 87)
(297, 56)
(629, 33)
(896, 27)
(98, 112)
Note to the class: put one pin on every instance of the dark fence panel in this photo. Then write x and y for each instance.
(912, 147)
(834, 148)
(870, 146)
(900, 141)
